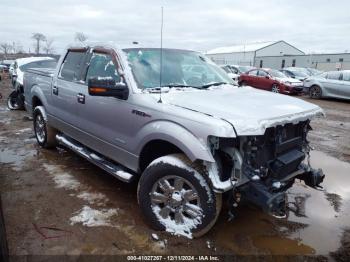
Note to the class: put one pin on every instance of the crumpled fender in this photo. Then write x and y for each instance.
(194, 148)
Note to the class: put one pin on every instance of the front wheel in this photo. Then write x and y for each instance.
(45, 134)
(176, 196)
(315, 92)
(275, 88)
(15, 101)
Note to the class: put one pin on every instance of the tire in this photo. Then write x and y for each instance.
(243, 83)
(15, 101)
(44, 134)
(315, 92)
(199, 209)
(275, 88)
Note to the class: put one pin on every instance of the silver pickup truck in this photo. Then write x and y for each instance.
(174, 121)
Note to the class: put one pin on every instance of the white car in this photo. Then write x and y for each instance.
(15, 100)
(22, 64)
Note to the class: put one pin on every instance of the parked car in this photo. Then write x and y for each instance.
(314, 71)
(233, 74)
(186, 137)
(296, 72)
(271, 80)
(329, 84)
(15, 100)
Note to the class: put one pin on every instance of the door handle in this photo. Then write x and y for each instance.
(81, 98)
(55, 90)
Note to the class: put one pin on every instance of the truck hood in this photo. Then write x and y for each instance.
(249, 110)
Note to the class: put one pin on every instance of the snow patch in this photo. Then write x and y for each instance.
(62, 179)
(93, 218)
(93, 198)
(184, 229)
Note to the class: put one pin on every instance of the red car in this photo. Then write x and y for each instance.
(271, 80)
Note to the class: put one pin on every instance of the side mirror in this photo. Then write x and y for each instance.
(107, 87)
(267, 77)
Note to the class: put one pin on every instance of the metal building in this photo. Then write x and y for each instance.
(248, 54)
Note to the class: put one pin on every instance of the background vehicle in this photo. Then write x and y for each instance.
(329, 84)
(271, 80)
(296, 72)
(15, 100)
(313, 71)
(231, 73)
(198, 138)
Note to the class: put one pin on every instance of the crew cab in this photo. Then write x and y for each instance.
(187, 136)
(271, 80)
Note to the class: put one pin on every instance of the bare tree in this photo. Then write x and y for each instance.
(6, 48)
(80, 37)
(38, 37)
(48, 48)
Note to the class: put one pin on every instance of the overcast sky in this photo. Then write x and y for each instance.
(313, 25)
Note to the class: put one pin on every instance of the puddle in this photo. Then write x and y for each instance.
(316, 227)
(15, 158)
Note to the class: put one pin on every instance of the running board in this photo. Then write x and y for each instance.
(108, 166)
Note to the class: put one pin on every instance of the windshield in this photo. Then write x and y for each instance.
(299, 71)
(276, 73)
(179, 68)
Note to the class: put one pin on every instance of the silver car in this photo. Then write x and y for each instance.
(329, 84)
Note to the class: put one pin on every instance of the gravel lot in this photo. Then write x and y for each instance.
(55, 202)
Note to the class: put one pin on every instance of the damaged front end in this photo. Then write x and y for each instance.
(262, 168)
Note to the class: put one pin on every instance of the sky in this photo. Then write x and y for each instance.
(310, 25)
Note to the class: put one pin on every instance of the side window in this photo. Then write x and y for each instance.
(71, 67)
(333, 75)
(102, 66)
(253, 73)
(346, 76)
(262, 73)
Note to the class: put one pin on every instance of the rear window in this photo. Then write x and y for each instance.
(72, 65)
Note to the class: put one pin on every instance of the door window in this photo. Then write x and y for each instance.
(346, 76)
(262, 73)
(253, 73)
(72, 65)
(333, 75)
(102, 66)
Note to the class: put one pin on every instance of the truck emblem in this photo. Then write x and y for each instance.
(140, 113)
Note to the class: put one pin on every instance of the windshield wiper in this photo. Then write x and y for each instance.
(214, 84)
(179, 85)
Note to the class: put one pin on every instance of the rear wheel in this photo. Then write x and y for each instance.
(315, 92)
(275, 88)
(243, 83)
(45, 134)
(176, 196)
(15, 101)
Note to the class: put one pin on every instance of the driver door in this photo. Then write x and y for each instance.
(105, 121)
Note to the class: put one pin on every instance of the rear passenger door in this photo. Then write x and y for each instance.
(345, 90)
(265, 81)
(252, 77)
(334, 83)
(65, 92)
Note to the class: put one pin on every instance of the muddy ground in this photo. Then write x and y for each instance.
(55, 202)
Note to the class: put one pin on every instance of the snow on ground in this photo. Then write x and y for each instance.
(93, 198)
(62, 179)
(23, 131)
(93, 217)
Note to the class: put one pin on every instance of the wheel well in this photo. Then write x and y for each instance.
(155, 149)
(36, 102)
